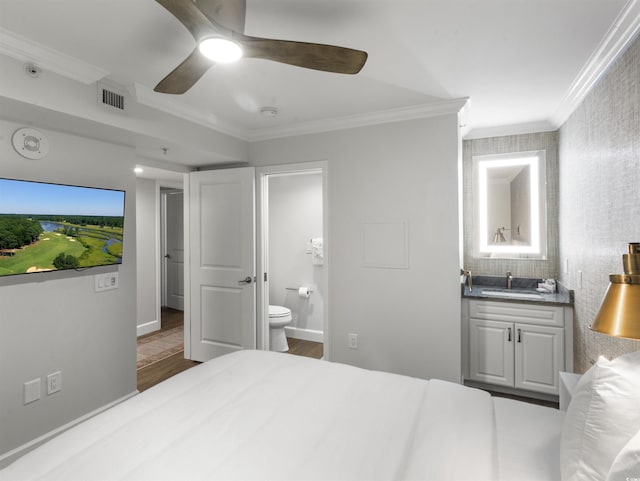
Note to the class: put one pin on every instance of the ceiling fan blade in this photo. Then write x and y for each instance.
(327, 58)
(230, 14)
(190, 16)
(225, 18)
(185, 75)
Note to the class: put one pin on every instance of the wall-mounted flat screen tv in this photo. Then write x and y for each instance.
(49, 227)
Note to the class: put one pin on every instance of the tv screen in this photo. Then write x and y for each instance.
(48, 227)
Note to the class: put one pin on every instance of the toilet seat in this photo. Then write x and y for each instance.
(276, 312)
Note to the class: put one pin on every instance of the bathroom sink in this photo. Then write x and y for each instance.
(515, 294)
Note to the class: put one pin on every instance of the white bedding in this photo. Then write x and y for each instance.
(263, 415)
(528, 441)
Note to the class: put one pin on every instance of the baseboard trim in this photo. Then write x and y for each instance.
(148, 327)
(9, 457)
(304, 334)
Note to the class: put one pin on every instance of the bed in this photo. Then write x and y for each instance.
(263, 415)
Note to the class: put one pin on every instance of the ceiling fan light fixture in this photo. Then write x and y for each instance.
(220, 50)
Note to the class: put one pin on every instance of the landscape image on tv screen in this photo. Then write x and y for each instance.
(48, 227)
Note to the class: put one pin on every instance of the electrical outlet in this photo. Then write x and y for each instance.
(31, 391)
(353, 341)
(54, 382)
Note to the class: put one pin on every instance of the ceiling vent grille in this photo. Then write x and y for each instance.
(111, 97)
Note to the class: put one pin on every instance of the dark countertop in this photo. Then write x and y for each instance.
(562, 296)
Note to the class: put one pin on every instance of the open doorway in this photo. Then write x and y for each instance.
(160, 285)
(293, 258)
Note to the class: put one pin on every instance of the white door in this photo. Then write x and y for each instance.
(491, 352)
(174, 245)
(222, 262)
(539, 357)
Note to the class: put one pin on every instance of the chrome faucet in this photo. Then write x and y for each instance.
(509, 280)
(464, 272)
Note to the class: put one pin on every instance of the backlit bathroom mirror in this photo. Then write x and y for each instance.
(510, 205)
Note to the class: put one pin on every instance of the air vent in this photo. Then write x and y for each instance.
(111, 97)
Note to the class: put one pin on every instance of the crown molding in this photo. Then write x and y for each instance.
(617, 39)
(432, 109)
(504, 130)
(25, 50)
(165, 103)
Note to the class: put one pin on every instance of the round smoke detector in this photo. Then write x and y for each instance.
(30, 143)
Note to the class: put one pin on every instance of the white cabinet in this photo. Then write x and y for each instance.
(491, 352)
(521, 346)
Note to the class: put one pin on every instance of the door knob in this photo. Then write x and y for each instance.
(246, 280)
(167, 256)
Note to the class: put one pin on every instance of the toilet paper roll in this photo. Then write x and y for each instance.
(303, 292)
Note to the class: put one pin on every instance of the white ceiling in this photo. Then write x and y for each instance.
(519, 61)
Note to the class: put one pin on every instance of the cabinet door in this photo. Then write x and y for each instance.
(491, 351)
(539, 357)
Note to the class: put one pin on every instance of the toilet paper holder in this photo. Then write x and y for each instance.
(296, 289)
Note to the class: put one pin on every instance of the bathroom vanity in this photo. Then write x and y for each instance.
(516, 340)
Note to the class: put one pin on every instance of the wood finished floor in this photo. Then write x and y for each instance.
(155, 373)
(298, 347)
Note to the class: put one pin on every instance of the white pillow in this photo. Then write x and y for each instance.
(602, 416)
(626, 466)
(574, 422)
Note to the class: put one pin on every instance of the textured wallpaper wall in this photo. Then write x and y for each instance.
(547, 141)
(599, 149)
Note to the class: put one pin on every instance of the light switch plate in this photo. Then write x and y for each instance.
(106, 282)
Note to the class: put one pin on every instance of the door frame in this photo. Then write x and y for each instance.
(262, 246)
(186, 206)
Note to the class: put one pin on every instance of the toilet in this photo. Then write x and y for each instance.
(278, 318)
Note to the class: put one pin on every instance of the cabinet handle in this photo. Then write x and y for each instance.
(519, 335)
(509, 334)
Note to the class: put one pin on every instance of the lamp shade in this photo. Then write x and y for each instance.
(619, 313)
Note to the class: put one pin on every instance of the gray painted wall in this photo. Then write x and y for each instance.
(407, 319)
(57, 322)
(600, 197)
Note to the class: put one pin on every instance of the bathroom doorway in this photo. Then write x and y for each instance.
(292, 257)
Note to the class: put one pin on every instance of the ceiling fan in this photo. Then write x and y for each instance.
(218, 28)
